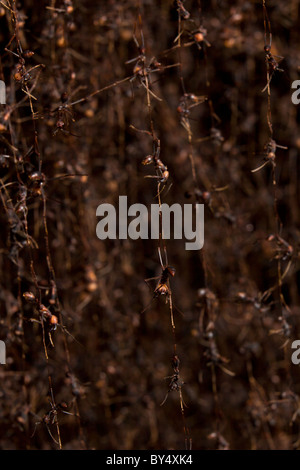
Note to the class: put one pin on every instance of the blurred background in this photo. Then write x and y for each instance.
(88, 338)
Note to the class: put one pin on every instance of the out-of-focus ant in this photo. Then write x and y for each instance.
(270, 155)
(50, 418)
(284, 251)
(186, 103)
(198, 37)
(212, 351)
(182, 11)
(221, 442)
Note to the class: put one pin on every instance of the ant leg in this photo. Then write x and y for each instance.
(269, 78)
(51, 435)
(166, 255)
(35, 426)
(165, 399)
(160, 257)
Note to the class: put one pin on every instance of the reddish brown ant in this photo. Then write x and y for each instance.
(141, 70)
(163, 287)
(47, 319)
(163, 284)
(198, 37)
(162, 173)
(21, 74)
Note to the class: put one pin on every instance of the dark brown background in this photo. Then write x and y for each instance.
(124, 356)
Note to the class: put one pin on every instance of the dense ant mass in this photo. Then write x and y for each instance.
(169, 103)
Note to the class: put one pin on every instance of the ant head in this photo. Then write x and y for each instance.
(165, 176)
(171, 271)
(147, 160)
(267, 48)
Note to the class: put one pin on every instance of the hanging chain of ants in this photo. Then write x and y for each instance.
(284, 251)
(163, 287)
(17, 214)
(141, 73)
(207, 300)
(283, 248)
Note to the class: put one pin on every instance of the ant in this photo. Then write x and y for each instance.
(162, 287)
(162, 173)
(221, 442)
(163, 284)
(259, 302)
(21, 74)
(284, 250)
(78, 390)
(182, 11)
(4, 161)
(198, 37)
(176, 383)
(270, 155)
(51, 417)
(63, 114)
(272, 63)
(186, 103)
(141, 70)
(48, 319)
(212, 352)
(215, 136)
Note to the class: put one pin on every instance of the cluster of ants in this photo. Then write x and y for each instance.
(49, 320)
(162, 173)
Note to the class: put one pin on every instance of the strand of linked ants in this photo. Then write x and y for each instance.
(207, 300)
(161, 176)
(272, 66)
(31, 185)
(34, 187)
